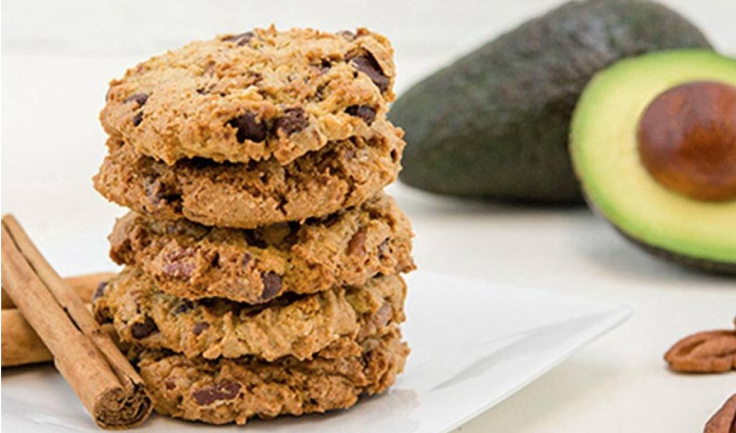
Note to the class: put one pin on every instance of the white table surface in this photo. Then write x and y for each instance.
(55, 67)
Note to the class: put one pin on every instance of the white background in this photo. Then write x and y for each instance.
(58, 57)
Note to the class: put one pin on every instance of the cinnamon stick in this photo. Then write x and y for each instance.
(83, 285)
(109, 387)
(20, 343)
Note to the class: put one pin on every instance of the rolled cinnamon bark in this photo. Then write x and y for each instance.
(109, 387)
(83, 285)
(22, 346)
(20, 343)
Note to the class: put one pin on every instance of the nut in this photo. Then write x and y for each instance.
(704, 352)
(723, 421)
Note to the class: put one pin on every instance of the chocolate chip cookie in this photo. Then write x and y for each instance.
(246, 195)
(193, 261)
(260, 95)
(227, 391)
(289, 325)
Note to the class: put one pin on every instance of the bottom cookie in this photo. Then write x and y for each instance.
(226, 391)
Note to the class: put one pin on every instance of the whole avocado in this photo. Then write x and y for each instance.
(496, 122)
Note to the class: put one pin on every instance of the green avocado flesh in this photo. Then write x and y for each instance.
(606, 159)
(496, 123)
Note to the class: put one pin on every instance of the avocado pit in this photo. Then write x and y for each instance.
(687, 140)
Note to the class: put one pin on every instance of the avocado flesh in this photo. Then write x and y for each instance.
(606, 159)
(495, 123)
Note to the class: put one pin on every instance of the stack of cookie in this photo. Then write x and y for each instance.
(262, 259)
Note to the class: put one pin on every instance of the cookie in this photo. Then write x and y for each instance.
(226, 391)
(193, 261)
(289, 325)
(341, 174)
(255, 96)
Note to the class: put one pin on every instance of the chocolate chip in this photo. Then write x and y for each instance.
(100, 290)
(293, 120)
(159, 192)
(143, 330)
(249, 128)
(220, 391)
(271, 285)
(200, 327)
(241, 39)
(365, 112)
(180, 263)
(368, 65)
(137, 118)
(356, 245)
(138, 98)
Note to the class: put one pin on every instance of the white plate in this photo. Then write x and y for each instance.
(473, 345)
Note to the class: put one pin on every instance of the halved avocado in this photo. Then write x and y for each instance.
(653, 143)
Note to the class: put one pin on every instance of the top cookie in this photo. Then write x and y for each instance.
(257, 95)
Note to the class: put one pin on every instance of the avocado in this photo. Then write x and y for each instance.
(495, 123)
(653, 143)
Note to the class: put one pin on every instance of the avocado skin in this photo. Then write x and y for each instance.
(702, 265)
(495, 123)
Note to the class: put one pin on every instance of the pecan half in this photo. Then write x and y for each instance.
(723, 421)
(704, 352)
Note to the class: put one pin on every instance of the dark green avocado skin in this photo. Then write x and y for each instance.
(702, 265)
(495, 123)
